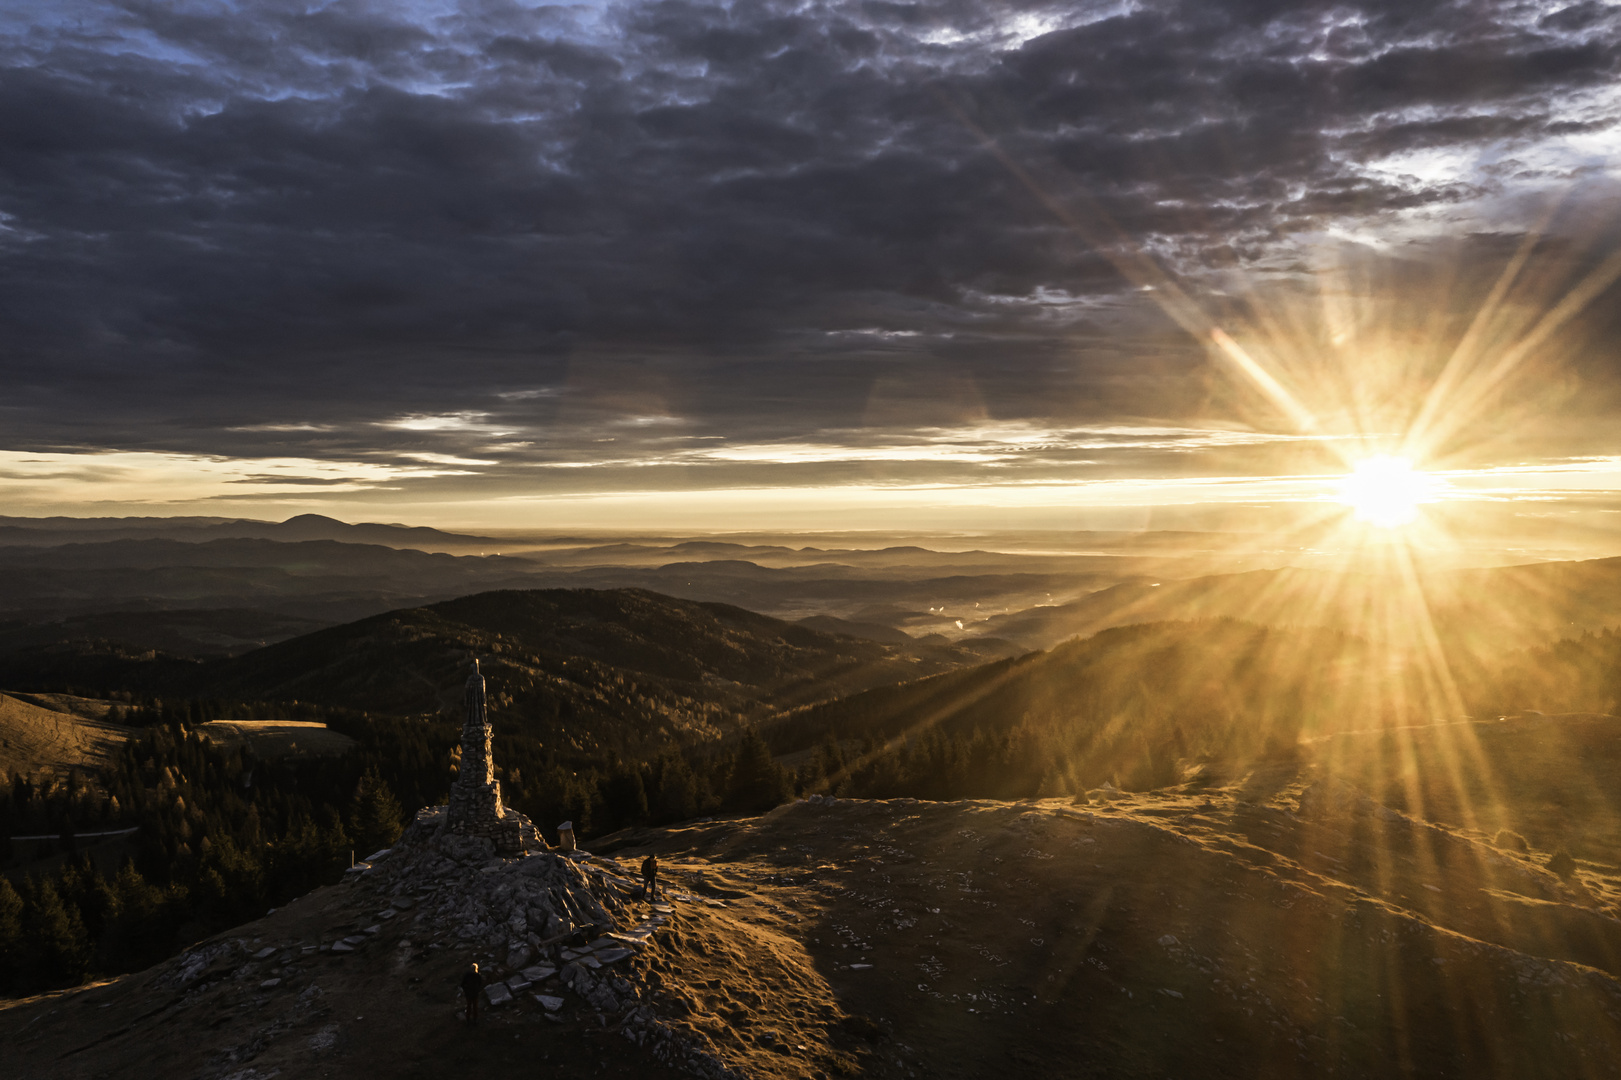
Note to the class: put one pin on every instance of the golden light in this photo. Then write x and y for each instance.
(1386, 491)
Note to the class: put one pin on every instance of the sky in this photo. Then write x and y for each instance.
(814, 265)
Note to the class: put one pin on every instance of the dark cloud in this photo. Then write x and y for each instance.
(260, 229)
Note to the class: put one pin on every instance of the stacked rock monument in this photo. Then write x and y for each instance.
(475, 798)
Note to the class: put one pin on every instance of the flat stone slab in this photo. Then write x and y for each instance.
(611, 956)
(573, 967)
(860, 967)
(538, 973)
(389, 914)
(342, 946)
(265, 953)
(498, 993)
(518, 984)
(664, 909)
(375, 928)
(548, 1002)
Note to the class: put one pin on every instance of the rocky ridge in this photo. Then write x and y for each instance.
(559, 922)
(1284, 927)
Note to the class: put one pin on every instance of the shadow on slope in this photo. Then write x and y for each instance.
(583, 667)
(1132, 706)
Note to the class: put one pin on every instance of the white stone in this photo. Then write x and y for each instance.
(497, 993)
(860, 967)
(342, 946)
(549, 1003)
(518, 984)
(265, 953)
(374, 928)
(269, 984)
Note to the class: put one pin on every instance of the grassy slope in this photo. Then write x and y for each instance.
(1214, 688)
(1233, 933)
(34, 737)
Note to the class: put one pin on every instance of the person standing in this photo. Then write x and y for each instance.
(650, 877)
(472, 989)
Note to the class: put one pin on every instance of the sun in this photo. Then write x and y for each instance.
(1386, 491)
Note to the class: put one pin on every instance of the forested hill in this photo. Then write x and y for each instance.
(1132, 705)
(1147, 705)
(581, 669)
(1474, 613)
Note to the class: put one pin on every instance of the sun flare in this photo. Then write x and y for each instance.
(1386, 491)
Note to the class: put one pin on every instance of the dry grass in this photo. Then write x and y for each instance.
(271, 739)
(1233, 933)
(54, 733)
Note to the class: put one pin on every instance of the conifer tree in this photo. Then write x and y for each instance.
(11, 937)
(757, 781)
(677, 790)
(374, 815)
(54, 938)
(140, 933)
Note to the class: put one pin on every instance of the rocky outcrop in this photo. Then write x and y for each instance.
(560, 922)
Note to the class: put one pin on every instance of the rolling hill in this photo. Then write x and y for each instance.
(1476, 611)
(576, 667)
(1130, 706)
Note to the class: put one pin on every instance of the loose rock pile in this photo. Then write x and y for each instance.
(561, 924)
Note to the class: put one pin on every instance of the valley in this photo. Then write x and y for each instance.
(1224, 825)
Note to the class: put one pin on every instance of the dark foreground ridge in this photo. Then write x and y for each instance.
(1284, 926)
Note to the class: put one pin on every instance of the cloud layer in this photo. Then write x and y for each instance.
(482, 237)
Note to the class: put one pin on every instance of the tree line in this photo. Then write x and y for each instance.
(222, 836)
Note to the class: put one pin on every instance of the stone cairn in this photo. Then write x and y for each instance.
(555, 932)
(475, 799)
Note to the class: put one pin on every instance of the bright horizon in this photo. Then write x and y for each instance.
(947, 309)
